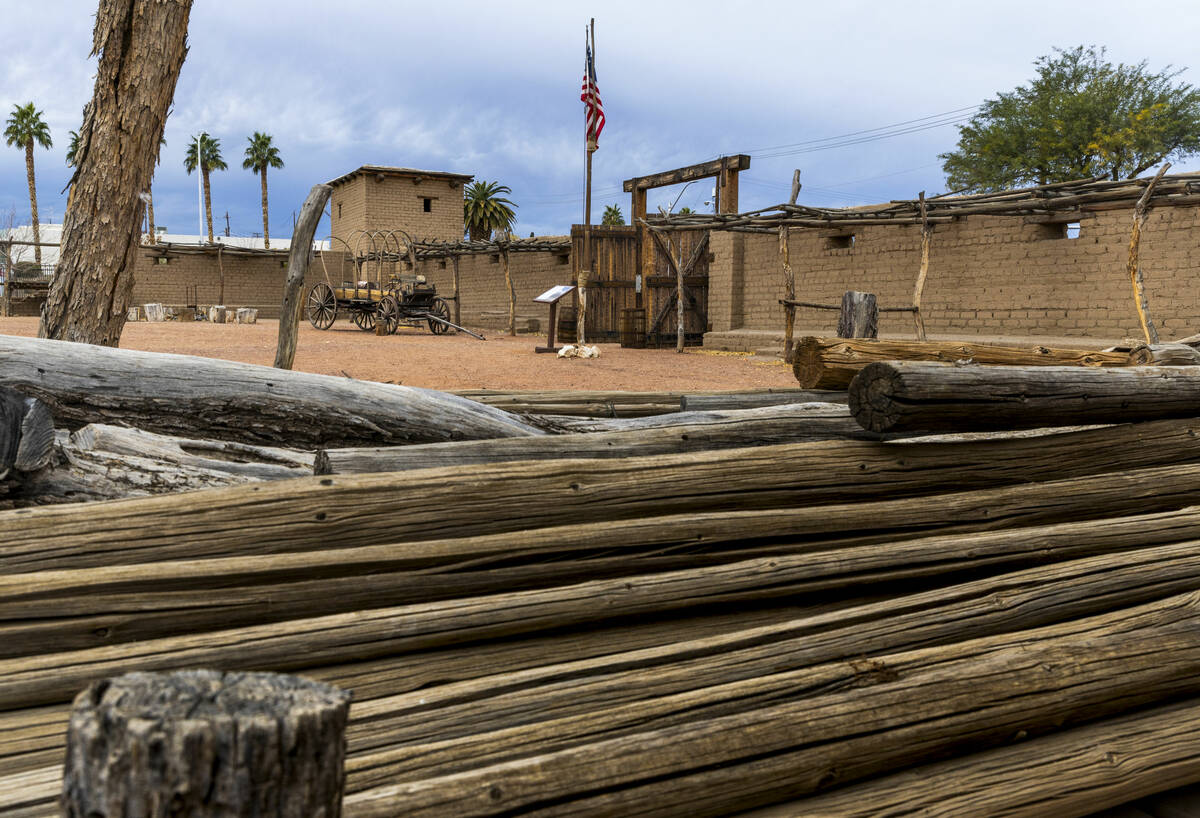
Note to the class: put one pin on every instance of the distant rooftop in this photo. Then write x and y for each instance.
(385, 170)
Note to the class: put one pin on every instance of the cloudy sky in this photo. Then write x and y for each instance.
(862, 96)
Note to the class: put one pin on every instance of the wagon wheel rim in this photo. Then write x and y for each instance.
(388, 312)
(441, 310)
(322, 306)
(365, 319)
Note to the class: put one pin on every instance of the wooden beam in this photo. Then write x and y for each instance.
(899, 396)
(1067, 217)
(732, 164)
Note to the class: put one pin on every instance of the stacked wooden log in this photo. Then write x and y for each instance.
(971, 623)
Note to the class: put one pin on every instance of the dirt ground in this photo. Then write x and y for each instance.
(419, 358)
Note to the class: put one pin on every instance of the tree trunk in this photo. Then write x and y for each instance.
(266, 225)
(831, 363)
(37, 247)
(298, 258)
(902, 396)
(201, 742)
(142, 44)
(207, 202)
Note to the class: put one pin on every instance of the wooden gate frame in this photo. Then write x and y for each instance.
(724, 169)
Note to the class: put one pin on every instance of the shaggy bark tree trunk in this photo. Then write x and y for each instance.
(37, 247)
(141, 45)
(266, 227)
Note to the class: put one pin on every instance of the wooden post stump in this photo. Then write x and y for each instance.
(203, 742)
(860, 316)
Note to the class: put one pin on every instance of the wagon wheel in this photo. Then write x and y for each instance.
(364, 319)
(322, 306)
(388, 312)
(442, 310)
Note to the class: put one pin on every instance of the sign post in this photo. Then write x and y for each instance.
(552, 297)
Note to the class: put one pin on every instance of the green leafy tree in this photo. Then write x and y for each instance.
(686, 211)
(25, 128)
(485, 210)
(1081, 117)
(260, 155)
(204, 152)
(612, 215)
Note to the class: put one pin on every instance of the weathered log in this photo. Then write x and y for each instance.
(26, 433)
(668, 434)
(206, 743)
(882, 712)
(298, 258)
(204, 397)
(71, 610)
(859, 317)
(831, 363)
(497, 718)
(1165, 355)
(1079, 771)
(303, 514)
(752, 400)
(904, 396)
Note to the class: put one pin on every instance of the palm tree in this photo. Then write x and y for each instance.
(205, 152)
(613, 215)
(260, 155)
(25, 127)
(484, 210)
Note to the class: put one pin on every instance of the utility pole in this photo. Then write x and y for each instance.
(226, 224)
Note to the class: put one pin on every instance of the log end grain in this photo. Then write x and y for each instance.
(873, 397)
(206, 743)
(808, 365)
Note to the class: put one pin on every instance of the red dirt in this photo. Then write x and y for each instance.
(419, 358)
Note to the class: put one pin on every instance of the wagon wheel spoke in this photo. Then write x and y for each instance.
(365, 319)
(442, 310)
(388, 312)
(322, 306)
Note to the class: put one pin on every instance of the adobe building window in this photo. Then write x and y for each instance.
(339, 210)
(843, 242)
(1072, 230)
(427, 205)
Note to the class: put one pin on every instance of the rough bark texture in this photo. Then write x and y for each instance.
(266, 225)
(203, 743)
(223, 400)
(153, 234)
(903, 396)
(33, 211)
(207, 199)
(298, 258)
(142, 44)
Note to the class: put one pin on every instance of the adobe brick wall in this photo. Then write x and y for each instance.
(258, 282)
(368, 201)
(988, 276)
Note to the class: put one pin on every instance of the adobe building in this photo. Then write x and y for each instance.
(426, 204)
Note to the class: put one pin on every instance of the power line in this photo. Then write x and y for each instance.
(956, 112)
(865, 139)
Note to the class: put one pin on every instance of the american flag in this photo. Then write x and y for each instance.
(590, 95)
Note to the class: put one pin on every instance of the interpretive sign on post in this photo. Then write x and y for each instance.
(552, 297)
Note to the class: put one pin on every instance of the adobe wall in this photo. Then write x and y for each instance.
(258, 282)
(370, 201)
(989, 276)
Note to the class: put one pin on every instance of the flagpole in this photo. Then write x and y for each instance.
(586, 262)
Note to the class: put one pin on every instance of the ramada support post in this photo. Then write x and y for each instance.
(919, 290)
(1140, 212)
(293, 291)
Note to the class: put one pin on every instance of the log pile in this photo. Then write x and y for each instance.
(826, 623)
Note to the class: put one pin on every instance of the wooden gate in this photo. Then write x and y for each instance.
(613, 286)
(661, 304)
(613, 282)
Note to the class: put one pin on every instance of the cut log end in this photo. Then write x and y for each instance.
(258, 742)
(808, 365)
(873, 397)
